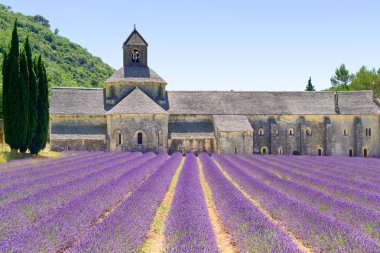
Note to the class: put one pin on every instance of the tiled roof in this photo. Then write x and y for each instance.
(192, 135)
(77, 137)
(135, 75)
(137, 102)
(135, 38)
(269, 103)
(232, 123)
(77, 101)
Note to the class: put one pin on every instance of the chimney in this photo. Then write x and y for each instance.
(374, 91)
(336, 104)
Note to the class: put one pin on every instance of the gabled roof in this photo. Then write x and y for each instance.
(135, 38)
(75, 101)
(151, 77)
(137, 102)
(232, 123)
(270, 103)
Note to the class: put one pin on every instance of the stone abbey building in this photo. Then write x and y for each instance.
(134, 111)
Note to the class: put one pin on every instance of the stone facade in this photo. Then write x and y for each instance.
(153, 130)
(135, 112)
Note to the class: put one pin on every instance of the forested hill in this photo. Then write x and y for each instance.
(68, 64)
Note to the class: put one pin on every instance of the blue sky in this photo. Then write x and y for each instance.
(225, 45)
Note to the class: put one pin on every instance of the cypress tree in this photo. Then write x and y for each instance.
(15, 122)
(40, 137)
(32, 85)
(24, 82)
(5, 87)
(310, 86)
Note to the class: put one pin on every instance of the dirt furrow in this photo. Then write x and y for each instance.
(155, 237)
(223, 239)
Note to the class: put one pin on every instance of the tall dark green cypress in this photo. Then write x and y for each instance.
(24, 83)
(15, 122)
(40, 137)
(32, 85)
(5, 86)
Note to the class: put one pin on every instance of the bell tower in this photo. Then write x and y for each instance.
(135, 73)
(135, 55)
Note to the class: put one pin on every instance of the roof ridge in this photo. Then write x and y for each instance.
(248, 91)
(77, 88)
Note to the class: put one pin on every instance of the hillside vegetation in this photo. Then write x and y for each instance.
(67, 63)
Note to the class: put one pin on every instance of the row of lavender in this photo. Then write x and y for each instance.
(322, 220)
(317, 176)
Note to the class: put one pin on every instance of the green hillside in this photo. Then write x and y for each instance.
(68, 64)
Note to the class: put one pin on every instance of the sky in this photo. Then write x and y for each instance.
(225, 45)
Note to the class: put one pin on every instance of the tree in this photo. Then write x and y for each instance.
(32, 86)
(40, 137)
(24, 92)
(364, 78)
(15, 110)
(5, 82)
(310, 86)
(342, 78)
(42, 20)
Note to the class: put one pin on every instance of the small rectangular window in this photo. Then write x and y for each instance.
(160, 139)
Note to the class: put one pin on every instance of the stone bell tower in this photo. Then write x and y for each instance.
(135, 73)
(135, 55)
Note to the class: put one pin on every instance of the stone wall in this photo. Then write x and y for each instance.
(78, 124)
(190, 124)
(316, 134)
(154, 130)
(235, 142)
(356, 138)
(193, 144)
(78, 144)
(312, 134)
(64, 126)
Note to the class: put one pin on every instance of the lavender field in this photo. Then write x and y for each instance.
(135, 202)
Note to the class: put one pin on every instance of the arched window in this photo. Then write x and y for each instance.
(308, 131)
(291, 131)
(139, 138)
(366, 132)
(345, 132)
(261, 132)
(236, 150)
(369, 131)
(264, 150)
(365, 152)
(351, 153)
(280, 151)
(319, 152)
(135, 56)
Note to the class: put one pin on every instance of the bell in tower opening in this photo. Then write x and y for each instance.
(135, 56)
